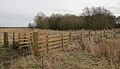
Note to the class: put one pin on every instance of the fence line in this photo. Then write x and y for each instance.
(44, 42)
(40, 42)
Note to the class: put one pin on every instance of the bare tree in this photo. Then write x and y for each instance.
(41, 21)
(98, 18)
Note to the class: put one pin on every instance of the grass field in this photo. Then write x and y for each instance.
(94, 53)
(72, 58)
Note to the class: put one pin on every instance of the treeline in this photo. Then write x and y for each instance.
(95, 18)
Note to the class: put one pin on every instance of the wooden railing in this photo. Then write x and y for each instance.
(45, 42)
(40, 42)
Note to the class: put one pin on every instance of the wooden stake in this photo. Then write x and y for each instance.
(70, 37)
(6, 41)
(62, 41)
(47, 43)
(35, 44)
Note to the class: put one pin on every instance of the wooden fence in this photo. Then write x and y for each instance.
(45, 42)
(40, 42)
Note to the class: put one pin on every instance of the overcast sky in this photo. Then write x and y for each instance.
(19, 13)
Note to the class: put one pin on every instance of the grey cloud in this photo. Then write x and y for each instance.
(21, 12)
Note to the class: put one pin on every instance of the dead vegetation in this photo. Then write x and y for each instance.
(98, 56)
(109, 49)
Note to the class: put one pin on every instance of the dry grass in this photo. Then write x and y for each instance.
(101, 56)
(109, 48)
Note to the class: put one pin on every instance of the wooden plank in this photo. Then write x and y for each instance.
(64, 35)
(65, 44)
(24, 42)
(77, 34)
(54, 36)
(54, 39)
(65, 41)
(54, 43)
(65, 38)
(56, 47)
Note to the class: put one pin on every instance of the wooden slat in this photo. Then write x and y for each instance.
(54, 43)
(76, 33)
(65, 35)
(54, 36)
(54, 39)
(65, 38)
(24, 42)
(66, 41)
(55, 47)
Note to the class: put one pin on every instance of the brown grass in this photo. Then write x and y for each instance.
(101, 56)
(109, 48)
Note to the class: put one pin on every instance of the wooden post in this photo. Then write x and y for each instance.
(35, 44)
(114, 33)
(89, 34)
(62, 41)
(47, 43)
(15, 44)
(6, 40)
(70, 37)
(19, 39)
(30, 39)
